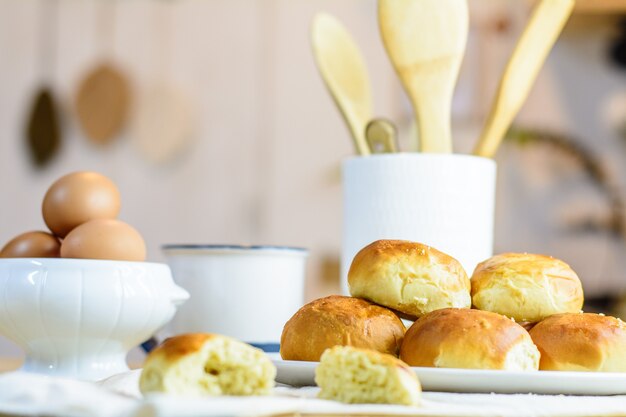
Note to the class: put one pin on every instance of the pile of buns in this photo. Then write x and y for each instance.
(516, 312)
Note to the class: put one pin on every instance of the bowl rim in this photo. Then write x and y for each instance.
(229, 247)
(94, 262)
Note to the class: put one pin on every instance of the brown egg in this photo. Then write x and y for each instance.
(77, 198)
(104, 239)
(32, 245)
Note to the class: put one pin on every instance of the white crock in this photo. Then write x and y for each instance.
(78, 318)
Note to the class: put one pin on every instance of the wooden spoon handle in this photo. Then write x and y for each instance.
(344, 72)
(533, 47)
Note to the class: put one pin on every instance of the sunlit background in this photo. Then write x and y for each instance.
(223, 132)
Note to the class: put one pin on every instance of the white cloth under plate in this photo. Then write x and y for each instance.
(30, 394)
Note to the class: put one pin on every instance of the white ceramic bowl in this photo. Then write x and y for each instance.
(77, 317)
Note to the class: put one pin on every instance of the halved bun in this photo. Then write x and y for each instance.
(354, 375)
(207, 364)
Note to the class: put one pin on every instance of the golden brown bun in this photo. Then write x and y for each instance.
(473, 339)
(353, 375)
(338, 320)
(526, 287)
(207, 364)
(581, 342)
(409, 277)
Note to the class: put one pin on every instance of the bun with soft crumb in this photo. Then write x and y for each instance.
(353, 375)
(207, 364)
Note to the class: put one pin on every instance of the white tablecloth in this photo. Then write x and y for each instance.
(30, 394)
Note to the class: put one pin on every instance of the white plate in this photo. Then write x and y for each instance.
(298, 373)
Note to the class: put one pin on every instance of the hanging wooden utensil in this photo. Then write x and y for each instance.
(102, 103)
(531, 51)
(345, 74)
(381, 136)
(43, 127)
(425, 40)
(103, 97)
(162, 122)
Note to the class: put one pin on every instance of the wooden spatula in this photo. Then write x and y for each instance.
(345, 74)
(540, 34)
(425, 40)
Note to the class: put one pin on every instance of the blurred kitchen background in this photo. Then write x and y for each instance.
(211, 117)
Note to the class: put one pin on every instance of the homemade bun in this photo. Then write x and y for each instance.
(526, 287)
(207, 364)
(409, 277)
(338, 320)
(353, 375)
(465, 338)
(581, 342)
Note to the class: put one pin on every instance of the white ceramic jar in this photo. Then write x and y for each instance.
(446, 201)
(246, 292)
(77, 317)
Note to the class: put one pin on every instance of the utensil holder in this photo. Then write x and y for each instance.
(446, 201)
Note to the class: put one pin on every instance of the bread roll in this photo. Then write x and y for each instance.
(338, 320)
(207, 364)
(409, 277)
(526, 287)
(581, 342)
(352, 375)
(473, 339)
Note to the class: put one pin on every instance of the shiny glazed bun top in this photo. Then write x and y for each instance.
(526, 287)
(466, 338)
(409, 277)
(344, 321)
(581, 342)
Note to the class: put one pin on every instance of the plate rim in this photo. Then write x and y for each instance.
(302, 373)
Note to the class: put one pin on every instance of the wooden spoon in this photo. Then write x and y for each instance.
(162, 123)
(381, 136)
(102, 103)
(43, 130)
(345, 74)
(533, 47)
(103, 96)
(163, 120)
(425, 40)
(43, 127)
